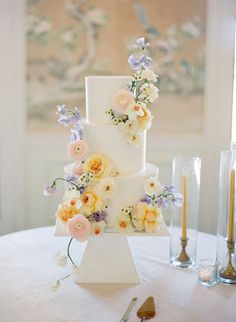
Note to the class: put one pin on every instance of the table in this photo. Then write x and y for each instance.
(27, 270)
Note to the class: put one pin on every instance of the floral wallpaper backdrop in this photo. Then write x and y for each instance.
(68, 40)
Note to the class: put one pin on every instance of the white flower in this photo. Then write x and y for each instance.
(152, 186)
(76, 273)
(55, 286)
(60, 260)
(97, 227)
(106, 187)
(72, 198)
(147, 74)
(131, 126)
(134, 110)
(123, 224)
(149, 92)
(134, 139)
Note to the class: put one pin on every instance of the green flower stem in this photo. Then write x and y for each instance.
(64, 277)
(54, 182)
(68, 251)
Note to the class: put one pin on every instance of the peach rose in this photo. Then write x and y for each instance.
(78, 150)
(121, 100)
(145, 120)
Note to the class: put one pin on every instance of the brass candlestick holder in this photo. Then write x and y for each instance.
(183, 259)
(228, 274)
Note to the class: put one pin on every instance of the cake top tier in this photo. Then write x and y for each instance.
(99, 93)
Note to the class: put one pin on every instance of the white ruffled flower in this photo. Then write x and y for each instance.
(72, 198)
(106, 187)
(134, 139)
(131, 126)
(97, 228)
(60, 260)
(152, 186)
(134, 110)
(55, 285)
(123, 224)
(146, 74)
(149, 92)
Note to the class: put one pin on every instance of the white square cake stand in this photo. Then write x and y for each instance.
(107, 258)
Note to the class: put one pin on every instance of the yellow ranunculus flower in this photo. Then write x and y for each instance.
(66, 212)
(91, 202)
(145, 217)
(99, 165)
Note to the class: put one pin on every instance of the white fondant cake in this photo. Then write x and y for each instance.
(104, 137)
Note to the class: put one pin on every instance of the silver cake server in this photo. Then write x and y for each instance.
(129, 310)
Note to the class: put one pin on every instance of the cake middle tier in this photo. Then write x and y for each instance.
(109, 140)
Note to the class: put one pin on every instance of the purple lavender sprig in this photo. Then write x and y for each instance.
(166, 198)
(99, 216)
(68, 117)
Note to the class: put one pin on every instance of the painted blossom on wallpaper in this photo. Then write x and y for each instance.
(62, 51)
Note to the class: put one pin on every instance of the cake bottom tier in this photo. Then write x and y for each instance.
(130, 189)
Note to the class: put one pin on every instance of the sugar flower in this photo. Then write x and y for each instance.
(99, 164)
(97, 227)
(72, 198)
(60, 260)
(145, 61)
(78, 227)
(121, 100)
(65, 212)
(131, 126)
(123, 223)
(145, 120)
(106, 188)
(134, 139)
(152, 186)
(140, 43)
(91, 202)
(145, 217)
(55, 285)
(49, 190)
(146, 74)
(98, 216)
(77, 169)
(67, 117)
(134, 110)
(134, 62)
(78, 150)
(149, 93)
(76, 132)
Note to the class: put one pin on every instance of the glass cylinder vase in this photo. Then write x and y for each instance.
(184, 221)
(226, 232)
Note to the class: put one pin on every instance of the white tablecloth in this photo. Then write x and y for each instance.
(27, 270)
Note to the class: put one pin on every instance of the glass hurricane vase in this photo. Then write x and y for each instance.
(183, 227)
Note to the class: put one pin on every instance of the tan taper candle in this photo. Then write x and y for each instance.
(231, 206)
(184, 209)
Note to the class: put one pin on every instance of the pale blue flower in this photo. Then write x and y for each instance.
(49, 190)
(134, 62)
(68, 118)
(140, 43)
(145, 61)
(177, 199)
(77, 132)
